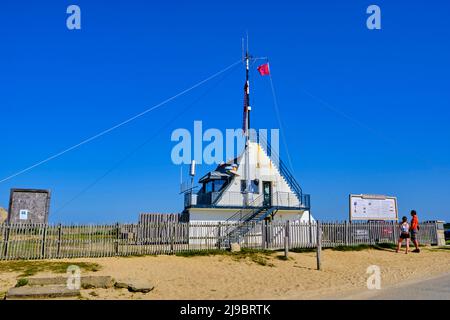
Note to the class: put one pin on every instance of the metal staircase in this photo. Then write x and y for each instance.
(246, 218)
(242, 229)
(247, 212)
(237, 231)
(262, 214)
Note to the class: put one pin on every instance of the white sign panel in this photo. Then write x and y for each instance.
(23, 214)
(373, 207)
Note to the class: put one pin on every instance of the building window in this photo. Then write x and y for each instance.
(218, 185)
(208, 187)
(214, 185)
(254, 188)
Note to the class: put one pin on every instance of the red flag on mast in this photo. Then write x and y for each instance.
(264, 69)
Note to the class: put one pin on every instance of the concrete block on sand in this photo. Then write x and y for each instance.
(140, 286)
(135, 286)
(104, 282)
(235, 247)
(121, 285)
(87, 282)
(41, 292)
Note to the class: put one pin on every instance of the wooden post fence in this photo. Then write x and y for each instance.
(346, 233)
(264, 235)
(219, 235)
(286, 240)
(58, 248)
(310, 226)
(172, 242)
(116, 249)
(5, 252)
(319, 246)
(33, 241)
(44, 236)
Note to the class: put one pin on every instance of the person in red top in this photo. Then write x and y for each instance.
(414, 228)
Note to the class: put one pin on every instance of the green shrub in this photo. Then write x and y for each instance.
(359, 247)
(201, 253)
(302, 250)
(31, 267)
(21, 282)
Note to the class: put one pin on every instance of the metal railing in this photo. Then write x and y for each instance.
(207, 199)
(247, 211)
(231, 198)
(237, 199)
(286, 199)
(287, 175)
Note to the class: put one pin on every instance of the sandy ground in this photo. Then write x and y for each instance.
(222, 277)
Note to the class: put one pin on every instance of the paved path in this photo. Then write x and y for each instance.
(432, 289)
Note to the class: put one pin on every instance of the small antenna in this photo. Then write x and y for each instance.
(192, 174)
(192, 171)
(243, 50)
(247, 41)
(181, 174)
(184, 186)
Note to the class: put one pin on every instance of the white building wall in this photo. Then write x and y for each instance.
(222, 215)
(261, 168)
(205, 234)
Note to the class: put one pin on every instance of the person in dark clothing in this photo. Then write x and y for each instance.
(404, 234)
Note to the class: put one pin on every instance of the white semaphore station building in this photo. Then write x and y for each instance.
(273, 194)
(256, 186)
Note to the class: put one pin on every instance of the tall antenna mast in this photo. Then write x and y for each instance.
(248, 190)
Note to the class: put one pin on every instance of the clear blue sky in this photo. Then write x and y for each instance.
(385, 129)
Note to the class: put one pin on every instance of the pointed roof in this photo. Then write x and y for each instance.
(224, 170)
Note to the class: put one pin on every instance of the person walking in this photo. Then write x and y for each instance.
(404, 235)
(414, 229)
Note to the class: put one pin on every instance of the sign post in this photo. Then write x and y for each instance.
(373, 207)
(319, 246)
